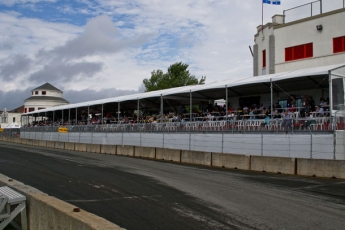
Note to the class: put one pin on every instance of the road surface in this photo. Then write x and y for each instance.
(145, 194)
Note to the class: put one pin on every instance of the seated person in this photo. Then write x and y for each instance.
(319, 111)
(286, 120)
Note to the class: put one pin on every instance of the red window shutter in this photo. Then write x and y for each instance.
(288, 54)
(25, 110)
(263, 58)
(298, 52)
(338, 44)
(309, 50)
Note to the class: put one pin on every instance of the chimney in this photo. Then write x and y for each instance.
(278, 19)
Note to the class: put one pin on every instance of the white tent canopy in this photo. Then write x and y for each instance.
(304, 78)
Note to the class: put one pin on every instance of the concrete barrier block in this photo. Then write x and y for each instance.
(168, 154)
(81, 147)
(29, 141)
(59, 145)
(233, 161)
(148, 152)
(125, 150)
(50, 144)
(42, 143)
(69, 146)
(273, 164)
(108, 149)
(93, 148)
(24, 141)
(321, 168)
(47, 212)
(196, 157)
(17, 140)
(35, 142)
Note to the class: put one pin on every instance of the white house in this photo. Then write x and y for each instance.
(43, 97)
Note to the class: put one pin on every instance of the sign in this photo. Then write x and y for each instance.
(1, 129)
(63, 130)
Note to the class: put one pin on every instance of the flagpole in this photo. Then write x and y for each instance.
(262, 18)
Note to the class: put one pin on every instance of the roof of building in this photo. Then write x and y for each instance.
(47, 86)
(46, 98)
(17, 110)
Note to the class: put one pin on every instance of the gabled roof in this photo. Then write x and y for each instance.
(47, 86)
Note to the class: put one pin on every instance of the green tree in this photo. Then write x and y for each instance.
(177, 76)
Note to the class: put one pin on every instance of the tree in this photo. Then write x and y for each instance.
(177, 76)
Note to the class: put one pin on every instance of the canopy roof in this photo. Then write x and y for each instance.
(302, 79)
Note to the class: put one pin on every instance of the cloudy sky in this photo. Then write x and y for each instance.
(93, 49)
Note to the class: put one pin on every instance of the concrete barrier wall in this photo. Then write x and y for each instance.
(125, 150)
(69, 146)
(273, 164)
(148, 152)
(195, 157)
(108, 149)
(59, 145)
(93, 148)
(42, 143)
(50, 144)
(233, 161)
(47, 212)
(35, 142)
(168, 154)
(321, 168)
(81, 147)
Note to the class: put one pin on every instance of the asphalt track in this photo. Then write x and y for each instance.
(144, 194)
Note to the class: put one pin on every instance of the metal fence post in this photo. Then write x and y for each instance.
(311, 145)
(334, 144)
(222, 142)
(262, 144)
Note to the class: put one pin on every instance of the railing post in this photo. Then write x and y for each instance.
(311, 145)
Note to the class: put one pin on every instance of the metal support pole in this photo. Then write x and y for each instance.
(62, 116)
(334, 144)
(190, 106)
(88, 114)
(118, 112)
(320, 6)
(226, 101)
(53, 118)
(271, 98)
(162, 108)
(102, 115)
(76, 116)
(138, 111)
(69, 116)
(330, 93)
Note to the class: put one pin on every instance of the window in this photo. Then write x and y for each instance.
(13, 119)
(40, 108)
(264, 59)
(25, 110)
(44, 93)
(36, 92)
(31, 109)
(339, 44)
(299, 52)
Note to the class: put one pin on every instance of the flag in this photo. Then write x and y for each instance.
(273, 2)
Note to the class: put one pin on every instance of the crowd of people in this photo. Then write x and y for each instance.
(305, 107)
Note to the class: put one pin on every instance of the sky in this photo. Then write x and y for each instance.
(95, 49)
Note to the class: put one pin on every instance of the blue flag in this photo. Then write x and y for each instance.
(273, 2)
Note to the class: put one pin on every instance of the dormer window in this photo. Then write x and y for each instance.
(36, 92)
(44, 93)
